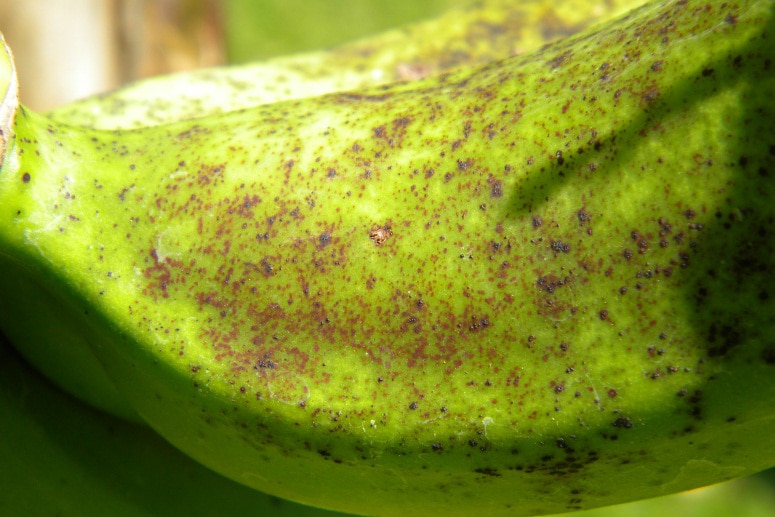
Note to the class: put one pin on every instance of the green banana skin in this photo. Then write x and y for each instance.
(470, 35)
(386, 375)
(63, 458)
(448, 42)
(451, 41)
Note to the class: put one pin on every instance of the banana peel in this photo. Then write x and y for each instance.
(61, 457)
(467, 36)
(532, 287)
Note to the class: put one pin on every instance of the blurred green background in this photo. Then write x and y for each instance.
(262, 28)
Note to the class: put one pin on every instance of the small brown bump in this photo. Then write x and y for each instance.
(496, 189)
(463, 165)
(380, 234)
(26, 177)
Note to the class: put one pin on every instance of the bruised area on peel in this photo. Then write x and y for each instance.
(512, 275)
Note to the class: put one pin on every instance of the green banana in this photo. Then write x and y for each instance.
(63, 458)
(451, 41)
(530, 287)
(463, 37)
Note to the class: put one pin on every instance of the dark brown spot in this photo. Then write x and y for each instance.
(496, 190)
(463, 165)
(487, 471)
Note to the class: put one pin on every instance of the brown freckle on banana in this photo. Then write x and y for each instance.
(583, 217)
(380, 234)
(496, 189)
(463, 165)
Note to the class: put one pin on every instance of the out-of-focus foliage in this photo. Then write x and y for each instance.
(263, 28)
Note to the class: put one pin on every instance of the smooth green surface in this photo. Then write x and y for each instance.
(749, 497)
(259, 29)
(62, 458)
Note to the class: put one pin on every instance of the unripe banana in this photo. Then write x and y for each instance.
(63, 458)
(531, 287)
(464, 37)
